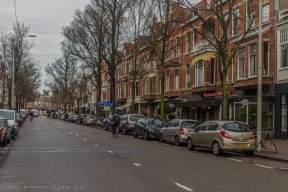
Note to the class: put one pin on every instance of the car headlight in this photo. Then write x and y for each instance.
(152, 130)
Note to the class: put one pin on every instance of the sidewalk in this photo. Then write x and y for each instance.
(282, 151)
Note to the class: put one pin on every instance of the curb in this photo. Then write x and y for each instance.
(5, 153)
(271, 158)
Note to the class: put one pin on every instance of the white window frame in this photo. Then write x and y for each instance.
(176, 79)
(154, 84)
(283, 42)
(248, 14)
(254, 55)
(172, 49)
(241, 57)
(235, 12)
(178, 46)
(199, 83)
(167, 80)
(188, 42)
(265, 10)
(188, 76)
(146, 86)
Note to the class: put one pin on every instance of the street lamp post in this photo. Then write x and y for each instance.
(13, 71)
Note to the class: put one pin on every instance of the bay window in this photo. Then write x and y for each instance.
(199, 73)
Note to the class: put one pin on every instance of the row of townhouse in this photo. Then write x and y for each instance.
(191, 79)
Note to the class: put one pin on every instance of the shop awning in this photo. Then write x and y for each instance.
(124, 106)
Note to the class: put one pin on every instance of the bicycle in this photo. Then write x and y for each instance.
(31, 119)
(267, 136)
(115, 134)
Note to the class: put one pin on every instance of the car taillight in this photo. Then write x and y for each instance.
(127, 122)
(252, 136)
(181, 131)
(225, 134)
(88, 119)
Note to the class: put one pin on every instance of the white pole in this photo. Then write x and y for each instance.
(259, 88)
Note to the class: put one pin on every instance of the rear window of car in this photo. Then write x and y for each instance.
(135, 117)
(190, 124)
(236, 127)
(9, 115)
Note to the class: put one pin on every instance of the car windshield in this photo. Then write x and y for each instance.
(158, 122)
(1, 122)
(190, 124)
(236, 127)
(134, 117)
(149, 121)
(9, 115)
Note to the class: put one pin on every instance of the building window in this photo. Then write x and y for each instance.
(199, 73)
(266, 58)
(177, 47)
(253, 53)
(250, 13)
(130, 66)
(284, 55)
(176, 79)
(265, 11)
(154, 85)
(124, 90)
(188, 42)
(146, 86)
(195, 38)
(167, 80)
(212, 71)
(172, 49)
(187, 76)
(235, 22)
(241, 62)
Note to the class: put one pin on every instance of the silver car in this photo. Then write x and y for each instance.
(10, 115)
(223, 136)
(127, 122)
(177, 130)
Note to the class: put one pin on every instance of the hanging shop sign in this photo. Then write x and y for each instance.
(216, 94)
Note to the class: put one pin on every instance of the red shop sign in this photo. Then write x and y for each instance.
(216, 94)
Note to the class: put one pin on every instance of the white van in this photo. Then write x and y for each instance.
(10, 115)
(35, 113)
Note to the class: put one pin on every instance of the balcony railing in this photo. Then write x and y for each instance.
(203, 45)
(283, 14)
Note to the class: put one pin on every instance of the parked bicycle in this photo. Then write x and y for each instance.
(262, 142)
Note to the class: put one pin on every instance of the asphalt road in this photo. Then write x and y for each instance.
(51, 155)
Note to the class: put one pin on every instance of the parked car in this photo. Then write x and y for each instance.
(70, 116)
(80, 119)
(10, 115)
(177, 130)
(100, 122)
(62, 116)
(74, 118)
(24, 114)
(19, 118)
(89, 120)
(148, 127)
(127, 122)
(222, 136)
(5, 132)
(35, 113)
(107, 122)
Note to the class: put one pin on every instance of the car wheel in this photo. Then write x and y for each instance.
(216, 149)
(177, 141)
(5, 141)
(124, 131)
(249, 153)
(134, 134)
(13, 136)
(161, 138)
(190, 144)
(9, 138)
(146, 136)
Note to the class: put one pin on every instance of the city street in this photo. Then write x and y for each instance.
(51, 155)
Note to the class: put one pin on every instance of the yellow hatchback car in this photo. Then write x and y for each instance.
(222, 136)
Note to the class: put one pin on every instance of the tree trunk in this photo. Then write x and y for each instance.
(224, 96)
(162, 93)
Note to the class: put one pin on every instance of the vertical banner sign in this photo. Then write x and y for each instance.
(106, 106)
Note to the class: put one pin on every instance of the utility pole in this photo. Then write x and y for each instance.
(259, 87)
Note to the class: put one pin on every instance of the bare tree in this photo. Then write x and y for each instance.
(219, 14)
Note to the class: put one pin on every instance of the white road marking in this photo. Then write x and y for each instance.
(110, 152)
(71, 132)
(166, 144)
(235, 159)
(84, 139)
(5, 148)
(76, 135)
(96, 145)
(137, 164)
(263, 166)
(182, 186)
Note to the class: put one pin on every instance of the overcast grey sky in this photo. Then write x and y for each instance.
(46, 18)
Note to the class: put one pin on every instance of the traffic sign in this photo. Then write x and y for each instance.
(244, 102)
(99, 104)
(106, 106)
(111, 105)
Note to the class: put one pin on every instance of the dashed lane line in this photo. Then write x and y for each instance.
(263, 166)
(110, 152)
(96, 145)
(84, 139)
(235, 159)
(137, 164)
(183, 187)
(77, 135)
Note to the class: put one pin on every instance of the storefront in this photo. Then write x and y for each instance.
(281, 117)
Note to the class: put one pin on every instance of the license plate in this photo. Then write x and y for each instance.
(242, 145)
